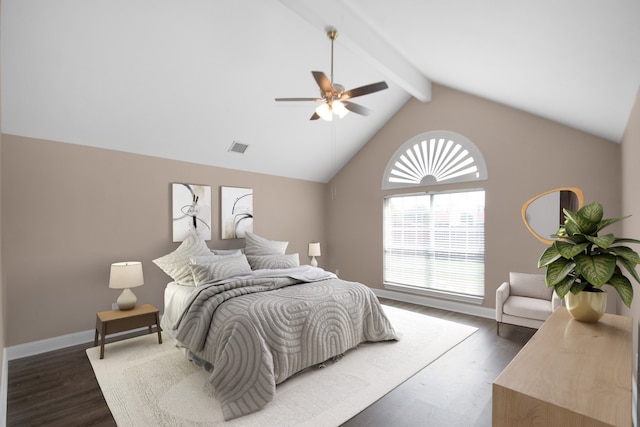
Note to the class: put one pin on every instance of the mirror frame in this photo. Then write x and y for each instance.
(579, 194)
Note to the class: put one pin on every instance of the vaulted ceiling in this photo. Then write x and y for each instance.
(185, 79)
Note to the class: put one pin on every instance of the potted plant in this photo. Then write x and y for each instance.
(579, 262)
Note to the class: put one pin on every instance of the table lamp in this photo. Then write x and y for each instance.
(314, 251)
(126, 275)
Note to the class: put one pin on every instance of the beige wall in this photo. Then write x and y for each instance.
(631, 203)
(525, 156)
(3, 311)
(70, 211)
(3, 305)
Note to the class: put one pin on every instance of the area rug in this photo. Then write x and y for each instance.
(151, 384)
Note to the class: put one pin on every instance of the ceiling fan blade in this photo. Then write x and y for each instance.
(299, 99)
(323, 82)
(315, 116)
(358, 109)
(364, 90)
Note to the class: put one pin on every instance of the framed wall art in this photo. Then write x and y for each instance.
(191, 208)
(236, 212)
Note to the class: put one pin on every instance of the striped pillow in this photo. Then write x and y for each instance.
(256, 245)
(271, 262)
(217, 267)
(176, 264)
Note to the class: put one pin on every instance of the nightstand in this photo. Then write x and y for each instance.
(113, 321)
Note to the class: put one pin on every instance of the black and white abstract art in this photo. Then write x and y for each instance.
(236, 212)
(191, 210)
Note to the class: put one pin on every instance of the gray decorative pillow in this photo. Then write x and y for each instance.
(226, 251)
(200, 273)
(260, 262)
(256, 245)
(176, 264)
(217, 267)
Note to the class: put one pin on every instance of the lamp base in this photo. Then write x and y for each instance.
(127, 300)
(313, 262)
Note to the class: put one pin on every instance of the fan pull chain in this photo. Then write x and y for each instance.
(334, 161)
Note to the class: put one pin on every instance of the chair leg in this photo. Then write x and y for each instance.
(498, 328)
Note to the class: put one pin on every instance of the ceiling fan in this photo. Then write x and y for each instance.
(333, 96)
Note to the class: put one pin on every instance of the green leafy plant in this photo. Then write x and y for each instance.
(581, 260)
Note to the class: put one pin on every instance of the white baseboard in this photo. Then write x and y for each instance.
(4, 388)
(42, 346)
(49, 344)
(473, 310)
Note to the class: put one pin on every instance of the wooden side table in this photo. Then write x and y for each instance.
(113, 321)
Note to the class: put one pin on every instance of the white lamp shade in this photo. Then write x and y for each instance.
(339, 109)
(324, 111)
(314, 249)
(126, 275)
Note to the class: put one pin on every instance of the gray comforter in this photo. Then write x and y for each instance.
(253, 332)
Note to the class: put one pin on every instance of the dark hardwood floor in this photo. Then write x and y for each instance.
(59, 388)
(454, 390)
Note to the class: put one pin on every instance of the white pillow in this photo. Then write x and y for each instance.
(260, 262)
(176, 263)
(256, 245)
(217, 267)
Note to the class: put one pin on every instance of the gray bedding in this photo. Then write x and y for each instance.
(254, 332)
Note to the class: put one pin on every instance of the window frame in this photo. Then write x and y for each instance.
(435, 291)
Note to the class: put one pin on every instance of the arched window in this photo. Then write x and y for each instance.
(435, 157)
(434, 241)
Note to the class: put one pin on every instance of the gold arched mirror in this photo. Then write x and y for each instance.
(543, 213)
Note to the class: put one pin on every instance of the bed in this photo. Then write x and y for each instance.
(252, 328)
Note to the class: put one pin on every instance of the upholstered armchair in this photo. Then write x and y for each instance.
(525, 300)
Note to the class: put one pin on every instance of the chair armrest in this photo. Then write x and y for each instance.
(502, 293)
(556, 301)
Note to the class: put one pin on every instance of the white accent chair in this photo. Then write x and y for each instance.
(525, 300)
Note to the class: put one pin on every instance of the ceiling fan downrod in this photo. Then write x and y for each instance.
(332, 34)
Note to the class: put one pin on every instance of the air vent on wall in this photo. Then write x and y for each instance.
(238, 147)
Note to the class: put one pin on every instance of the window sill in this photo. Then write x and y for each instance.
(435, 293)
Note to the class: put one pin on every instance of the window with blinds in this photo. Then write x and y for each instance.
(434, 243)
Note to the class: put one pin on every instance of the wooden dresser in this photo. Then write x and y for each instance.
(569, 374)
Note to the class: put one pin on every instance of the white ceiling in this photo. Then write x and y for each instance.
(184, 79)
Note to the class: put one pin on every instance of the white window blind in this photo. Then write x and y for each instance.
(435, 242)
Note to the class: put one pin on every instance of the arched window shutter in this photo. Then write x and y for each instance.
(435, 157)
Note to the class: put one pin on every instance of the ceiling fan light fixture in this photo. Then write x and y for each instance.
(339, 109)
(324, 111)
